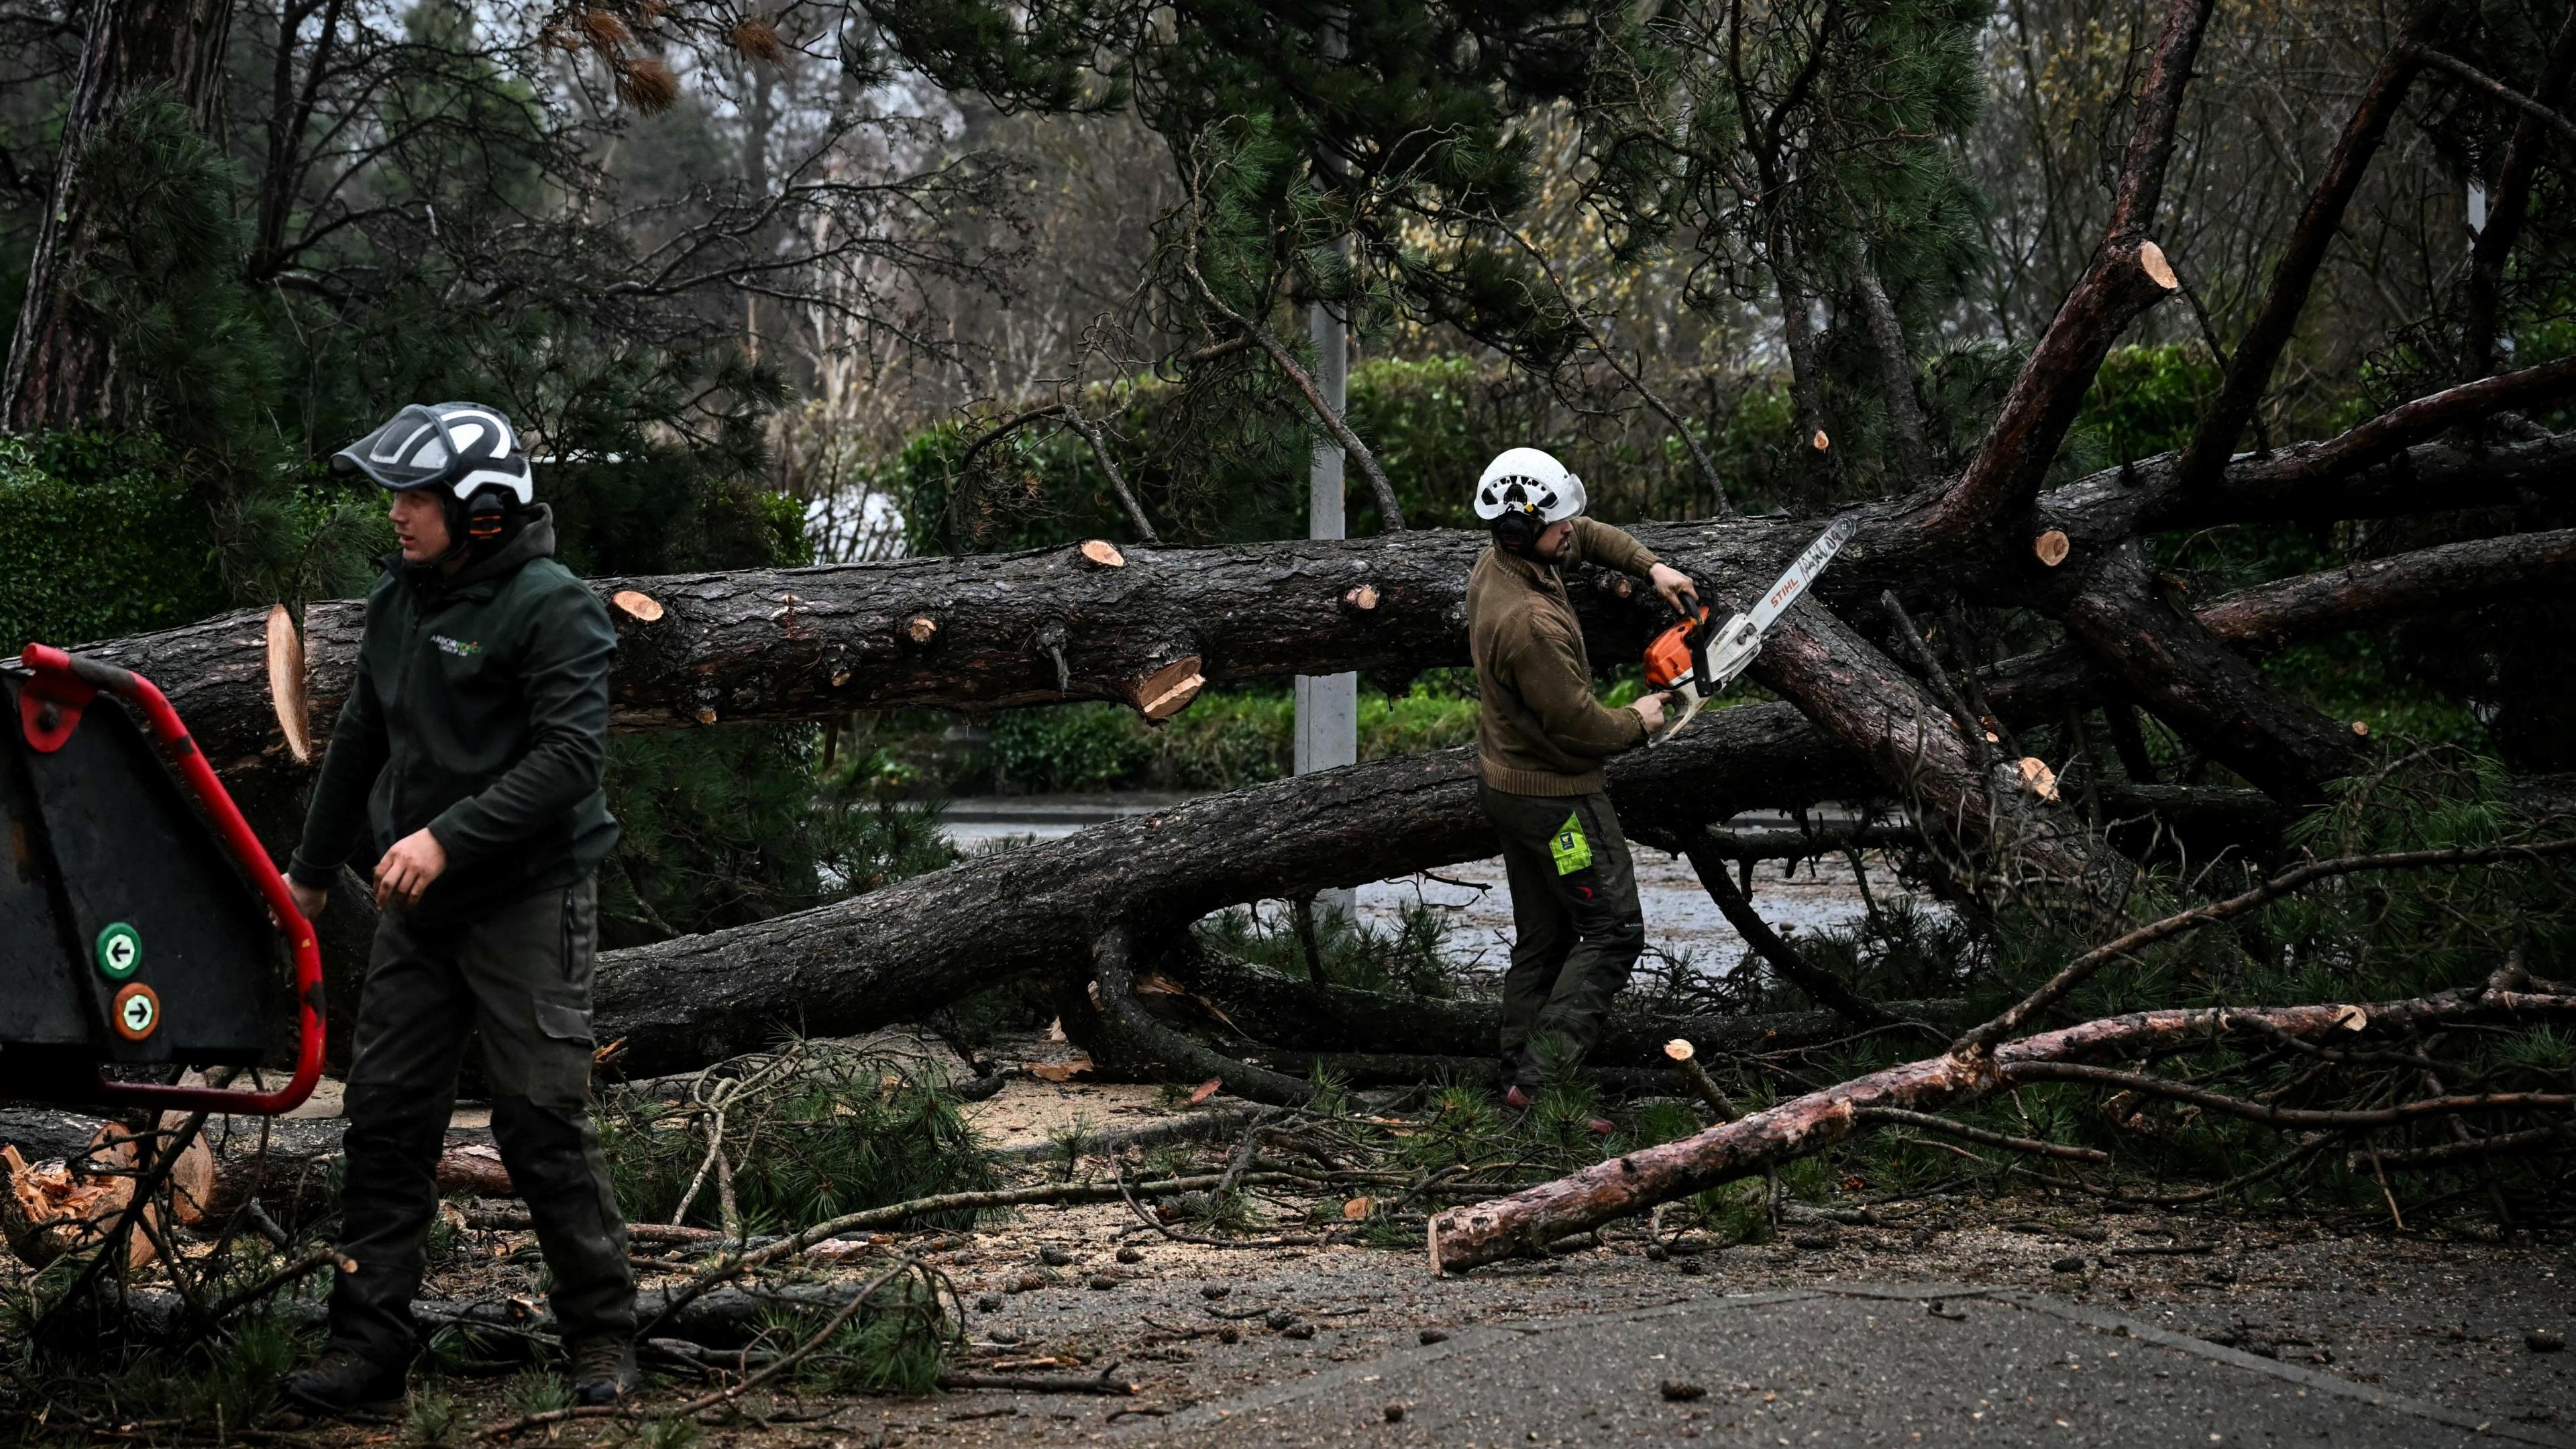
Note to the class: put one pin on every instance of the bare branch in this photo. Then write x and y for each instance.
(2205, 460)
(2502, 92)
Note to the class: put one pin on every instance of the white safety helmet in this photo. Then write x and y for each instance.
(1529, 482)
(458, 448)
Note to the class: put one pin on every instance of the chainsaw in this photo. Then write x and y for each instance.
(1695, 660)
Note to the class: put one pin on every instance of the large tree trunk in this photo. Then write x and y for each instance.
(892, 954)
(61, 367)
(803, 644)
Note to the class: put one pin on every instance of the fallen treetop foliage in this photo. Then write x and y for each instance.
(1525, 1222)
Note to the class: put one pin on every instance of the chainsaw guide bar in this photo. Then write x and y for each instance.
(1695, 661)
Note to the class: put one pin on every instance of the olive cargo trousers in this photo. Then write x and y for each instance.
(518, 977)
(1575, 921)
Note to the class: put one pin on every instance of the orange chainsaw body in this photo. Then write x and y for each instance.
(1669, 654)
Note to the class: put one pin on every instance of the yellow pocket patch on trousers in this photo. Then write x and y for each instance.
(1572, 851)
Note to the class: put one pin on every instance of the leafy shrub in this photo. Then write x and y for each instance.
(1069, 748)
(1223, 741)
(1208, 473)
(98, 538)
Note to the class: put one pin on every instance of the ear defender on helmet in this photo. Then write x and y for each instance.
(1516, 530)
(487, 515)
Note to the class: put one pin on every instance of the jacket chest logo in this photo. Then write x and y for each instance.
(459, 648)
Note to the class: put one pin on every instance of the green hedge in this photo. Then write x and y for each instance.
(97, 540)
(1220, 742)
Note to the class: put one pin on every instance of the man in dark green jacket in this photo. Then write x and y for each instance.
(1540, 740)
(470, 753)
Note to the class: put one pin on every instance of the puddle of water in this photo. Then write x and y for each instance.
(1681, 921)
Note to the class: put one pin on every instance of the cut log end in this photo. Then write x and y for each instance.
(286, 683)
(1680, 1049)
(641, 607)
(2151, 260)
(921, 629)
(1168, 690)
(2361, 729)
(1104, 553)
(1362, 598)
(2037, 778)
(1820, 442)
(2052, 547)
(706, 714)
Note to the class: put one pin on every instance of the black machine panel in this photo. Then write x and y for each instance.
(120, 882)
(40, 1001)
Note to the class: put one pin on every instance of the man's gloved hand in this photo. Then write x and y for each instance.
(408, 868)
(1672, 583)
(1650, 708)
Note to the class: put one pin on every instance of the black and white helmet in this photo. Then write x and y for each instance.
(457, 447)
(1525, 480)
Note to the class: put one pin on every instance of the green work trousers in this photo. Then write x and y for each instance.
(1576, 925)
(518, 977)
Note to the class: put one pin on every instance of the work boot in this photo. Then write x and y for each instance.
(603, 1371)
(343, 1379)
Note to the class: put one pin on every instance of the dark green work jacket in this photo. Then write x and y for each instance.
(480, 712)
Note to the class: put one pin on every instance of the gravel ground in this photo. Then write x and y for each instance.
(2439, 1319)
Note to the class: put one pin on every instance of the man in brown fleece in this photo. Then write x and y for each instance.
(1541, 738)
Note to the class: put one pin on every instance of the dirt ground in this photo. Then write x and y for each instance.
(2436, 1318)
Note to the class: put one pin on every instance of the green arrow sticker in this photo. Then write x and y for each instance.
(120, 951)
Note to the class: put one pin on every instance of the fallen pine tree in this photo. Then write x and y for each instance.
(1873, 710)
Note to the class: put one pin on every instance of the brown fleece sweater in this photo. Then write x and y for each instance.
(1539, 731)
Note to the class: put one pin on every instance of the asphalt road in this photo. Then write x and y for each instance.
(1847, 1364)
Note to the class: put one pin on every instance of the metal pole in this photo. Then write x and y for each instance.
(1328, 721)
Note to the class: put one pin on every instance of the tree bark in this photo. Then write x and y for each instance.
(1272, 1008)
(1895, 366)
(61, 365)
(1826, 987)
(1525, 1222)
(2206, 691)
(1919, 752)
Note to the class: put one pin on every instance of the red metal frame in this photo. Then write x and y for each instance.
(64, 684)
